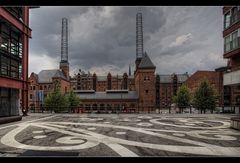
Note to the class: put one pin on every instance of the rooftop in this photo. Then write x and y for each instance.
(104, 95)
(45, 76)
(146, 62)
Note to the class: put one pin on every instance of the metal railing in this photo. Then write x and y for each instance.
(128, 110)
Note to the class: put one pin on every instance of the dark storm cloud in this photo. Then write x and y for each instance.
(104, 38)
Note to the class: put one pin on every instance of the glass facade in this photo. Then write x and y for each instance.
(232, 17)
(17, 12)
(227, 20)
(9, 102)
(232, 41)
(10, 51)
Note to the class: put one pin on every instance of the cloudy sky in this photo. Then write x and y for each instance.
(103, 39)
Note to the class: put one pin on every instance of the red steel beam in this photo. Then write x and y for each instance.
(23, 27)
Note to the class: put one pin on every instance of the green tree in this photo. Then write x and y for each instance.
(182, 98)
(204, 97)
(56, 101)
(73, 100)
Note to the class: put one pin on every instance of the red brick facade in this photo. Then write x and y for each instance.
(231, 29)
(14, 36)
(35, 87)
(145, 87)
(214, 79)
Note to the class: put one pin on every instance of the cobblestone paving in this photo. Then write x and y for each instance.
(127, 135)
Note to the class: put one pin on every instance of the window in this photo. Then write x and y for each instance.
(14, 69)
(234, 40)
(20, 70)
(40, 87)
(31, 96)
(10, 51)
(146, 91)
(227, 42)
(231, 41)
(234, 15)
(227, 20)
(33, 87)
(4, 66)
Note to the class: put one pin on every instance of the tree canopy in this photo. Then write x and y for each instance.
(73, 99)
(205, 97)
(183, 97)
(56, 101)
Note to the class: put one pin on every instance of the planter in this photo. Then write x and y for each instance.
(235, 123)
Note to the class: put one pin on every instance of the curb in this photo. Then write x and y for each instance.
(4, 120)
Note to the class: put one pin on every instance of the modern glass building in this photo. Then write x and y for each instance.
(14, 48)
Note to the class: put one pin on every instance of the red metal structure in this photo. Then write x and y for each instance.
(14, 49)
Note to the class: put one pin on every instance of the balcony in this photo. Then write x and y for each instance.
(231, 78)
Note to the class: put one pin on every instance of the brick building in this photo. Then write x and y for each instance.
(168, 87)
(214, 78)
(143, 91)
(48, 80)
(43, 83)
(231, 35)
(14, 40)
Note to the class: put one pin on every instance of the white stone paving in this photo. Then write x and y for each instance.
(79, 138)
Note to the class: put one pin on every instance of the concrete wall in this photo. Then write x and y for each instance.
(231, 78)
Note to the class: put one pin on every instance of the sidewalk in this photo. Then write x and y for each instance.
(4, 120)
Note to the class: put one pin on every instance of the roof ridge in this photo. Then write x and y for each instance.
(146, 62)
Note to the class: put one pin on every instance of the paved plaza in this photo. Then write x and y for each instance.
(127, 135)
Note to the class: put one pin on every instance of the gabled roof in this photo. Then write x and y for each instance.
(182, 77)
(45, 76)
(34, 76)
(146, 62)
(59, 74)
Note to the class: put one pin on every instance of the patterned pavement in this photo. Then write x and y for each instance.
(127, 135)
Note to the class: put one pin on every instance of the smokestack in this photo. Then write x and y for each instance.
(139, 36)
(64, 40)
